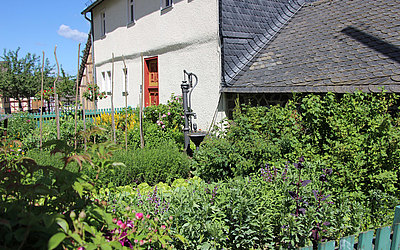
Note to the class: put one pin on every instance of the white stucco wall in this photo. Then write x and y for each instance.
(182, 37)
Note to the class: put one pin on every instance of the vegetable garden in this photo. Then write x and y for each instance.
(317, 169)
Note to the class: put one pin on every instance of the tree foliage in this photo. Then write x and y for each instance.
(21, 76)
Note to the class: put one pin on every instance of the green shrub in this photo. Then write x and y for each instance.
(20, 125)
(354, 133)
(162, 163)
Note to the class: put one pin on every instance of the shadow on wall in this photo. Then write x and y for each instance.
(375, 43)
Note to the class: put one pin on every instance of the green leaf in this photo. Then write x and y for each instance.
(77, 238)
(19, 234)
(181, 238)
(63, 224)
(5, 223)
(78, 188)
(55, 240)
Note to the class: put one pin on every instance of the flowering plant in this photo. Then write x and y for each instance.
(93, 93)
(47, 93)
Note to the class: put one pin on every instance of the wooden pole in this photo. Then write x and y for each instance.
(41, 106)
(84, 123)
(112, 101)
(56, 96)
(76, 98)
(141, 105)
(126, 103)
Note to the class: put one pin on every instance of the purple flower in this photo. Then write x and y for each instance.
(325, 197)
(302, 211)
(315, 194)
(293, 194)
(304, 183)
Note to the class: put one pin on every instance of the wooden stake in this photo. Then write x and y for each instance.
(41, 106)
(56, 96)
(112, 101)
(126, 103)
(76, 97)
(141, 105)
(84, 123)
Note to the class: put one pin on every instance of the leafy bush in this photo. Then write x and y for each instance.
(355, 134)
(20, 125)
(32, 198)
(283, 207)
(162, 163)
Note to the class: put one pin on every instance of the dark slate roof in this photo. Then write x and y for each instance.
(85, 57)
(330, 46)
(246, 26)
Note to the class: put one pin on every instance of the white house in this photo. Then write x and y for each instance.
(158, 41)
(258, 50)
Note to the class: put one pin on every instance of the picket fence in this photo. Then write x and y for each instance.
(384, 239)
(89, 114)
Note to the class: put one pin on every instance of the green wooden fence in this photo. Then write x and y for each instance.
(89, 114)
(384, 239)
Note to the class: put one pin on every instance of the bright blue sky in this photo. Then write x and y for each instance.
(37, 26)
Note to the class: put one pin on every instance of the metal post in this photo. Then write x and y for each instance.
(186, 129)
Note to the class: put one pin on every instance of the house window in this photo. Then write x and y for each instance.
(108, 83)
(103, 81)
(166, 4)
(103, 23)
(151, 82)
(125, 81)
(131, 11)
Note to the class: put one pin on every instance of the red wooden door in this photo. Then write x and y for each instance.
(151, 82)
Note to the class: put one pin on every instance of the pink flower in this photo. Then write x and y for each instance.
(141, 242)
(169, 113)
(136, 241)
(120, 223)
(163, 227)
(148, 216)
(139, 216)
(114, 220)
(163, 126)
(163, 116)
(81, 248)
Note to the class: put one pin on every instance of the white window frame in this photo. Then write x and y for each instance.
(131, 11)
(166, 4)
(103, 23)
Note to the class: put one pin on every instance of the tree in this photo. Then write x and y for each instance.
(21, 77)
(66, 86)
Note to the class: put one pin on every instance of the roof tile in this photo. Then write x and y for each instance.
(354, 45)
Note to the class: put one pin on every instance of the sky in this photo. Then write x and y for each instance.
(40, 25)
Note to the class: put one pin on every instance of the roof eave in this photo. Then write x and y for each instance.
(90, 7)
